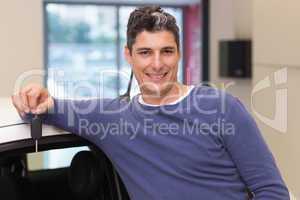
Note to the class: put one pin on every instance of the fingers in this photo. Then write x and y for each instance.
(23, 98)
(43, 101)
(44, 106)
(33, 98)
(30, 98)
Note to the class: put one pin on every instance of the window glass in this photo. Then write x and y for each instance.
(52, 159)
(81, 50)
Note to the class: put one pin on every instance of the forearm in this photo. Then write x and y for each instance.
(250, 153)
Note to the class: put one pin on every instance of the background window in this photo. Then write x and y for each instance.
(81, 44)
(84, 49)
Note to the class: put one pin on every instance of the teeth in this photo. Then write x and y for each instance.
(157, 76)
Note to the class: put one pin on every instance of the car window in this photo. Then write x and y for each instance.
(52, 159)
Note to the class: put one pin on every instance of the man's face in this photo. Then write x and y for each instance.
(154, 60)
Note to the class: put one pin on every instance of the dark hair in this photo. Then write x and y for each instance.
(152, 19)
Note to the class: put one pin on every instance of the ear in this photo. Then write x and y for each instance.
(127, 55)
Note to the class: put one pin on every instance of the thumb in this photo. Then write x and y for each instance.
(44, 106)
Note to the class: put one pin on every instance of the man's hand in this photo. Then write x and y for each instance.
(32, 99)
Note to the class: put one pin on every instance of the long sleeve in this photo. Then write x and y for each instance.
(87, 118)
(251, 155)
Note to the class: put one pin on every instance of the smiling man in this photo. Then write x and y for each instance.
(153, 52)
(172, 141)
(154, 59)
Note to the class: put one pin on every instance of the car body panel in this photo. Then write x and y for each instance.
(9, 116)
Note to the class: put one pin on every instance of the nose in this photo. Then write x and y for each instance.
(157, 63)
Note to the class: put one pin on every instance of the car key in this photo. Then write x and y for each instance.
(36, 130)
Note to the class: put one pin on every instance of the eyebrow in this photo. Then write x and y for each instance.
(143, 49)
(147, 49)
(169, 48)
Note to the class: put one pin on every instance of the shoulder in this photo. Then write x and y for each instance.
(207, 97)
(213, 100)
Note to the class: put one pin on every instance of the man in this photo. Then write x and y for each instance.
(172, 141)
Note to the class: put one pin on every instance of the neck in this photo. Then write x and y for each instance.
(174, 93)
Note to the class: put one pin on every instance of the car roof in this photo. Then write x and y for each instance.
(9, 116)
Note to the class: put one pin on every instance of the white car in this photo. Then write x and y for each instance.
(89, 175)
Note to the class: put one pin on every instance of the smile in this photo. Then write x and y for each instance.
(156, 77)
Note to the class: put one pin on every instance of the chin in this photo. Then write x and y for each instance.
(157, 89)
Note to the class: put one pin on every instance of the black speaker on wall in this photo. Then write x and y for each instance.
(235, 58)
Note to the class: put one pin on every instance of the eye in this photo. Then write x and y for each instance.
(168, 51)
(144, 53)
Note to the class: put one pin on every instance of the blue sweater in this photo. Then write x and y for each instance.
(206, 146)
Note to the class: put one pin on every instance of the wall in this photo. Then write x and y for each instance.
(276, 30)
(230, 19)
(21, 46)
(21, 40)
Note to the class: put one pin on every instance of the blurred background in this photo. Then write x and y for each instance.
(248, 47)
